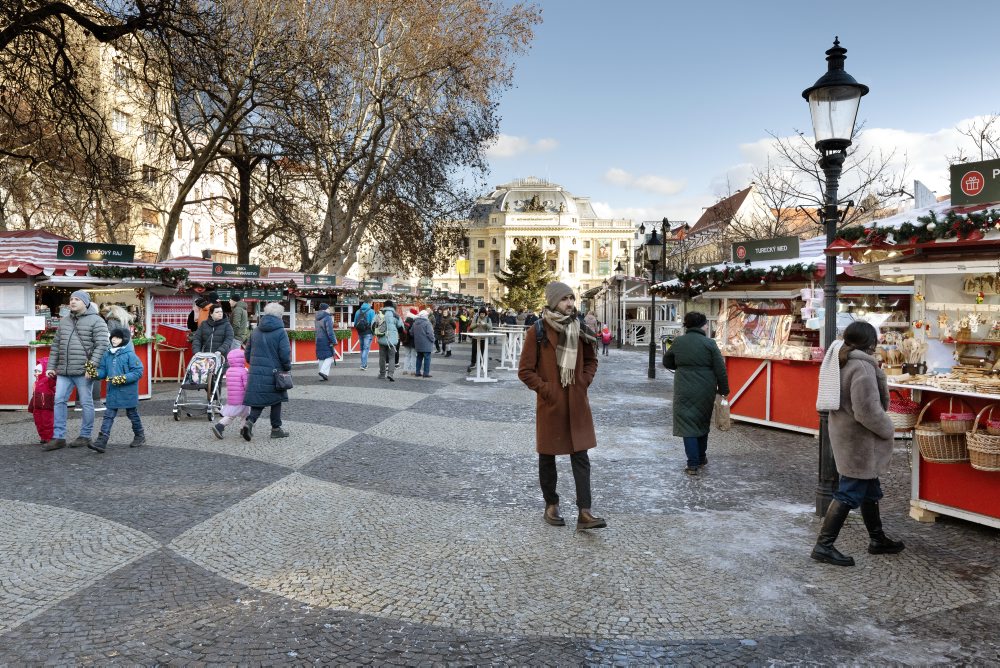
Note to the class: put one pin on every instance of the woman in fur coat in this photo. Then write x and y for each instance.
(853, 389)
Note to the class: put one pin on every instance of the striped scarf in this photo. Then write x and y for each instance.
(568, 328)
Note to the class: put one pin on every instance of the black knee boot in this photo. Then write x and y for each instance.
(879, 543)
(833, 521)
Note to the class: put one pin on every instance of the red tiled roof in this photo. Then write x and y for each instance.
(721, 212)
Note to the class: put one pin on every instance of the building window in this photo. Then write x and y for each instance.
(623, 244)
(148, 133)
(480, 266)
(481, 243)
(494, 241)
(571, 264)
(150, 219)
(586, 266)
(121, 167)
(586, 243)
(197, 231)
(552, 266)
(180, 231)
(444, 286)
(119, 121)
(482, 286)
(149, 175)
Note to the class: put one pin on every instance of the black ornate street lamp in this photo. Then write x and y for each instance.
(654, 251)
(620, 279)
(833, 104)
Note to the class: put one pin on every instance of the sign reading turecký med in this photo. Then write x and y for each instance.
(779, 248)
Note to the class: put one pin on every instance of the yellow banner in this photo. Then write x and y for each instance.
(462, 266)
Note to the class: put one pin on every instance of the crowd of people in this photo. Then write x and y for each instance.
(558, 364)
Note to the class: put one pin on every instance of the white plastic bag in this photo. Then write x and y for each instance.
(723, 422)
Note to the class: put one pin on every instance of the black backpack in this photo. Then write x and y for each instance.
(363, 325)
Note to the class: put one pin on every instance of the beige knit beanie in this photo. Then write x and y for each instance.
(554, 292)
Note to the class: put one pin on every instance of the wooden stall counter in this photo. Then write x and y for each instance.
(775, 393)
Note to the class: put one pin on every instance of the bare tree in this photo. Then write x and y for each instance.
(869, 176)
(400, 97)
(984, 133)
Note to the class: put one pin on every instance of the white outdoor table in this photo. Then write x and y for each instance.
(510, 354)
(483, 359)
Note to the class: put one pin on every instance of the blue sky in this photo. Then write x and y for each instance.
(647, 107)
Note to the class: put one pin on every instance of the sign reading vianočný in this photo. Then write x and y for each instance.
(238, 270)
(975, 182)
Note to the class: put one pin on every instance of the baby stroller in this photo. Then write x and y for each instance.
(203, 378)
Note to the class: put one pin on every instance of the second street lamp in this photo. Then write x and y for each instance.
(619, 318)
(653, 249)
(833, 104)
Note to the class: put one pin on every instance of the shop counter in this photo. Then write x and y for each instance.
(18, 363)
(957, 489)
(775, 393)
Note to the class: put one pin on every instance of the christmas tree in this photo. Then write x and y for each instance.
(526, 277)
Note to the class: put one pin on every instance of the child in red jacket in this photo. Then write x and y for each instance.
(43, 401)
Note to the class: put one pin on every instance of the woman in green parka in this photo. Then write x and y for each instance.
(701, 374)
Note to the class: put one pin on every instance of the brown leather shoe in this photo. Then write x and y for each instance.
(552, 515)
(55, 444)
(586, 520)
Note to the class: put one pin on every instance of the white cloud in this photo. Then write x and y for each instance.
(508, 146)
(634, 213)
(924, 154)
(646, 182)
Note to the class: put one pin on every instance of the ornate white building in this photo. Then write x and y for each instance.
(582, 249)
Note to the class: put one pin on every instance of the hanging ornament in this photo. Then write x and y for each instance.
(980, 297)
(931, 226)
(919, 296)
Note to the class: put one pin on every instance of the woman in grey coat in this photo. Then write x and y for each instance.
(861, 436)
(701, 374)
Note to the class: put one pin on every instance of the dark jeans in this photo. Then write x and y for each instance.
(275, 415)
(547, 477)
(111, 413)
(696, 449)
(853, 491)
(423, 364)
(477, 348)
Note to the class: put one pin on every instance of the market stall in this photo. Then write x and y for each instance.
(955, 265)
(38, 272)
(767, 316)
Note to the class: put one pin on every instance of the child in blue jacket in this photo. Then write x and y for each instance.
(122, 368)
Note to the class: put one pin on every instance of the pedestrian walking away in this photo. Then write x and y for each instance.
(387, 326)
(853, 389)
(422, 332)
(77, 350)
(560, 369)
(268, 351)
(363, 326)
(326, 340)
(700, 376)
(236, 385)
(410, 357)
(123, 369)
(605, 339)
(446, 332)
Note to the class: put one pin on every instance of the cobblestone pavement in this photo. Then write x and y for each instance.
(401, 524)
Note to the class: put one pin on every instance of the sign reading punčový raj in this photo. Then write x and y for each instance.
(975, 182)
(238, 270)
(82, 250)
(780, 248)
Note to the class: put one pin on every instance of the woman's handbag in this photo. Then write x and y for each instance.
(723, 421)
(282, 379)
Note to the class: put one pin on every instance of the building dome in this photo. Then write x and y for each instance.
(528, 195)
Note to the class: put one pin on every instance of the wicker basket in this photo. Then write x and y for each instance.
(984, 449)
(959, 422)
(936, 445)
(993, 427)
(902, 411)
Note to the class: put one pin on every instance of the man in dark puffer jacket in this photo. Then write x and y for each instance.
(79, 345)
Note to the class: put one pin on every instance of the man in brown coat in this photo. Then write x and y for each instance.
(559, 369)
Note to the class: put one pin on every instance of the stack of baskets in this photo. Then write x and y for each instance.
(902, 411)
(938, 444)
(984, 448)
